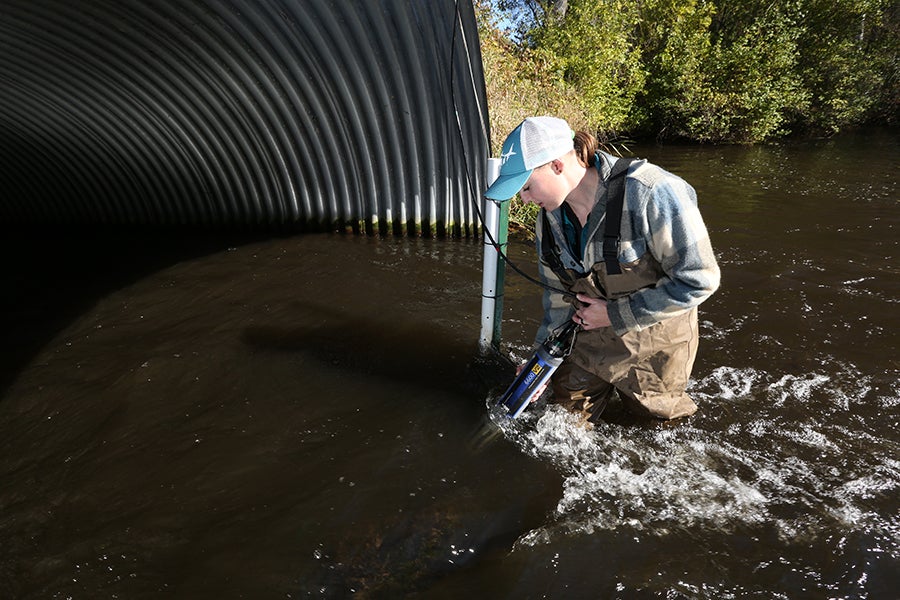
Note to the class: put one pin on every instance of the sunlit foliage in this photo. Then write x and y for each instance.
(706, 70)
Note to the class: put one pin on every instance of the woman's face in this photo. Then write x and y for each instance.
(545, 187)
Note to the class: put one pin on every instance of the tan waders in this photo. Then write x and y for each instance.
(650, 368)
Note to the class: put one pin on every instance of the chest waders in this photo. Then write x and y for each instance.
(649, 368)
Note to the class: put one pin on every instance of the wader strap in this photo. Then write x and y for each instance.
(551, 252)
(615, 199)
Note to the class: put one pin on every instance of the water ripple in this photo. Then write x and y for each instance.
(801, 473)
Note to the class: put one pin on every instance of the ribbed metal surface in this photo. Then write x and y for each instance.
(267, 113)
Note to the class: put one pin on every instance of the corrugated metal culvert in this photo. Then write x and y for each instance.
(307, 114)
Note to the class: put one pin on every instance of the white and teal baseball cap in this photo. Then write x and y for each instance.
(535, 142)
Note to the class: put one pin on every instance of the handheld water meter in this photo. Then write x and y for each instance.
(537, 372)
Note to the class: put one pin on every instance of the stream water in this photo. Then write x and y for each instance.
(230, 416)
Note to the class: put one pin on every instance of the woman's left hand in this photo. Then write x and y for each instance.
(593, 315)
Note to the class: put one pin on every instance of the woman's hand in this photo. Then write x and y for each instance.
(593, 315)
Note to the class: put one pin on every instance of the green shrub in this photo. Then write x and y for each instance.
(706, 70)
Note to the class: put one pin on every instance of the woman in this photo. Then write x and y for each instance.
(637, 307)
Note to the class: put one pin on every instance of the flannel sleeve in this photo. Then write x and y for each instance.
(667, 217)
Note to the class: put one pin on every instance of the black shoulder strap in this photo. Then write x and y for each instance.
(615, 199)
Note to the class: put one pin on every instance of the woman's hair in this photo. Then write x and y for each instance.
(585, 148)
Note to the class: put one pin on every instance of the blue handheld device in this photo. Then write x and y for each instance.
(537, 372)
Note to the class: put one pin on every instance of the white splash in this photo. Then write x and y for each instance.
(744, 460)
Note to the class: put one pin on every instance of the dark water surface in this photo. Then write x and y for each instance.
(289, 417)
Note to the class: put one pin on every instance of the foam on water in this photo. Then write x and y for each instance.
(765, 448)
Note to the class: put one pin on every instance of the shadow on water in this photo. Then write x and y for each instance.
(393, 351)
(52, 275)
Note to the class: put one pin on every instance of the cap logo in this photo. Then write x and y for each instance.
(507, 155)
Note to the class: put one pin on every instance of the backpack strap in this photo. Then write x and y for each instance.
(615, 199)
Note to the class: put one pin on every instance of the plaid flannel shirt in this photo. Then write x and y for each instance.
(659, 216)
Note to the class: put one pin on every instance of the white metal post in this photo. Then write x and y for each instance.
(491, 257)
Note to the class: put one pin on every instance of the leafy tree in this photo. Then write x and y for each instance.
(846, 61)
(720, 74)
(675, 43)
(589, 46)
(753, 75)
(707, 70)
